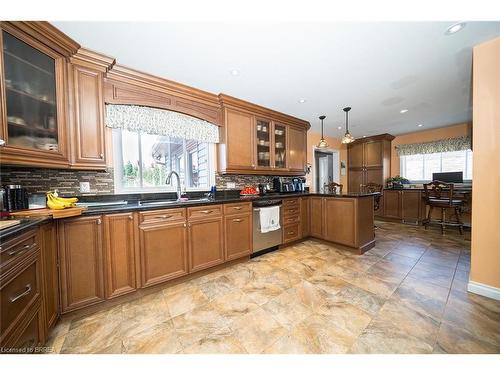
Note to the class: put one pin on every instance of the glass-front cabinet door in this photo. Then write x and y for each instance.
(263, 143)
(32, 81)
(280, 146)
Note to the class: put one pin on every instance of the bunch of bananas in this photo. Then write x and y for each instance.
(55, 202)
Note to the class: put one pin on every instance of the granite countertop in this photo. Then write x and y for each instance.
(26, 224)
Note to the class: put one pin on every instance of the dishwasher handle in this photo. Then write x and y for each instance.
(258, 209)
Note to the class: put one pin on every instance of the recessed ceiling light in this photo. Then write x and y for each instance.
(364, 136)
(455, 28)
(235, 72)
(403, 111)
(420, 125)
(302, 100)
(340, 127)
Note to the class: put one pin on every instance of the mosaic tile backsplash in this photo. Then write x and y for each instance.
(67, 182)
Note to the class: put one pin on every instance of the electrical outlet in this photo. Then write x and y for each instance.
(84, 187)
(231, 185)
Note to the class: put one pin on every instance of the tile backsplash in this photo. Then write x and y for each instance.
(67, 182)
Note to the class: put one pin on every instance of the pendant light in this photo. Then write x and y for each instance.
(322, 143)
(348, 138)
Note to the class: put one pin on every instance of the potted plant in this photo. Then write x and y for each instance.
(396, 182)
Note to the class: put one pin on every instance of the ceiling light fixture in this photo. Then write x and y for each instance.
(403, 111)
(302, 100)
(340, 127)
(348, 138)
(455, 28)
(420, 125)
(235, 72)
(322, 143)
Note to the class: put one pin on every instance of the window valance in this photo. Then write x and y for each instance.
(160, 122)
(443, 145)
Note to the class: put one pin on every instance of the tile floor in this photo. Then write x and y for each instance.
(406, 295)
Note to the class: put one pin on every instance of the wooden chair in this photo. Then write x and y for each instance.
(332, 188)
(440, 195)
(373, 187)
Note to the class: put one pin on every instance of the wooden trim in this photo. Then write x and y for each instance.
(230, 101)
(46, 34)
(94, 60)
(379, 137)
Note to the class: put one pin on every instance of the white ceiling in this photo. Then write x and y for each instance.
(377, 68)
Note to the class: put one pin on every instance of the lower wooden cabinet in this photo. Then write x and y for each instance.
(50, 282)
(120, 254)
(29, 333)
(206, 242)
(238, 236)
(392, 204)
(411, 206)
(340, 221)
(316, 221)
(81, 262)
(305, 217)
(163, 251)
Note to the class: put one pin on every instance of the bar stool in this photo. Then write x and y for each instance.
(440, 195)
(332, 188)
(373, 187)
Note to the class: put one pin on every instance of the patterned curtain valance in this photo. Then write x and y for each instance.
(160, 122)
(443, 145)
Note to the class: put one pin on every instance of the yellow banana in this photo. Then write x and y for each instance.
(58, 203)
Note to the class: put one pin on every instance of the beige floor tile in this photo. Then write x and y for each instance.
(157, 339)
(375, 285)
(216, 287)
(185, 300)
(97, 336)
(433, 277)
(346, 316)
(220, 342)
(369, 302)
(328, 283)
(287, 309)
(233, 305)
(453, 339)
(403, 260)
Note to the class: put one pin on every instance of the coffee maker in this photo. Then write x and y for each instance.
(299, 184)
(280, 185)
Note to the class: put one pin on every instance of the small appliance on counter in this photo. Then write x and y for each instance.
(282, 186)
(299, 184)
(15, 198)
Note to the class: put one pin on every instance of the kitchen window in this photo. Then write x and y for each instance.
(420, 167)
(142, 162)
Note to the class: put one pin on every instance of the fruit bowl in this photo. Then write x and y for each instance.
(249, 191)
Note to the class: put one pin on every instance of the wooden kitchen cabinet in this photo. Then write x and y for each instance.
(50, 282)
(120, 254)
(206, 242)
(411, 206)
(297, 149)
(369, 160)
(33, 86)
(340, 221)
(86, 87)
(316, 221)
(392, 204)
(163, 247)
(81, 262)
(305, 220)
(238, 236)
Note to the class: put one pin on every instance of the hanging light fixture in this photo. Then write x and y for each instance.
(348, 138)
(322, 143)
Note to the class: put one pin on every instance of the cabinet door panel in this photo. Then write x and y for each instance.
(280, 144)
(356, 158)
(206, 243)
(392, 204)
(297, 149)
(239, 140)
(316, 228)
(375, 175)
(356, 178)
(373, 154)
(119, 254)
(410, 205)
(340, 221)
(88, 118)
(305, 217)
(81, 254)
(238, 232)
(48, 247)
(163, 252)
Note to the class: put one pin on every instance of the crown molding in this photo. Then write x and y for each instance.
(93, 59)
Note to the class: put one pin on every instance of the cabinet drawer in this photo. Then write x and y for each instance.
(17, 295)
(291, 212)
(291, 203)
(158, 216)
(237, 208)
(13, 250)
(204, 211)
(291, 220)
(291, 233)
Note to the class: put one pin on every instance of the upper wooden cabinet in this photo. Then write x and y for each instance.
(33, 86)
(369, 160)
(257, 140)
(86, 92)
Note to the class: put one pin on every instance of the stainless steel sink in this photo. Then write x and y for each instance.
(171, 201)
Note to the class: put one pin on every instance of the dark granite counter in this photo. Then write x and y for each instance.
(26, 224)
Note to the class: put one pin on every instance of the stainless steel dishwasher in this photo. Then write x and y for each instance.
(262, 241)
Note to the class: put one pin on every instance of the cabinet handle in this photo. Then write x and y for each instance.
(21, 249)
(163, 216)
(291, 233)
(21, 295)
(237, 220)
(2, 142)
(237, 208)
(206, 211)
(130, 217)
(185, 225)
(253, 165)
(101, 156)
(99, 221)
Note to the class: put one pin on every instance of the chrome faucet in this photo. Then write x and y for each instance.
(169, 180)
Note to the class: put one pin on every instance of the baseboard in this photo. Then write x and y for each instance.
(484, 290)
